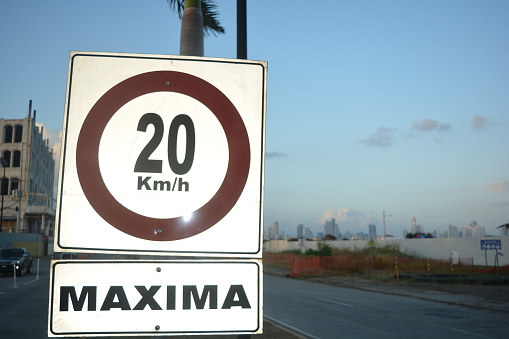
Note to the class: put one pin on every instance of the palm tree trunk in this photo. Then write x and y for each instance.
(191, 34)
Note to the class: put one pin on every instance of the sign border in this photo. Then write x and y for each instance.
(157, 229)
(488, 243)
(59, 247)
(54, 263)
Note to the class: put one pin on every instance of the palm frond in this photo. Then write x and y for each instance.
(210, 15)
(211, 23)
(177, 6)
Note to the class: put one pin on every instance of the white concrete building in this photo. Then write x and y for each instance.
(27, 178)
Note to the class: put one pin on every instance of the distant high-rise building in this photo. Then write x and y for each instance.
(361, 236)
(475, 230)
(372, 231)
(417, 229)
(331, 228)
(465, 232)
(452, 231)
(414, 226)
(436, 233)
(274, 231)
(308, 233)
(300, 231)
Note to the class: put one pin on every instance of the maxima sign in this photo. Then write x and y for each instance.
(102, 298)
(162, 154)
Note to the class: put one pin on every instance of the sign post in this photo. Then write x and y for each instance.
(492, 244)
(161, 155)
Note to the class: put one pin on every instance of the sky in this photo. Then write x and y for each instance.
(372, 106)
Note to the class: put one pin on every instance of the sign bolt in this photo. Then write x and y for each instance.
(158, 327)
(168, 83)
(159, 231)
(158, 269)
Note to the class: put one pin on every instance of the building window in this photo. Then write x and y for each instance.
(7, 134)
(16, 161)
(18, 133)
(5, 186)
(6, 155)
(14, 184)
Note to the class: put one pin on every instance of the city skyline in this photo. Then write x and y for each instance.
(331, 228)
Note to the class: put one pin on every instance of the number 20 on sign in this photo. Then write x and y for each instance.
(162, 154)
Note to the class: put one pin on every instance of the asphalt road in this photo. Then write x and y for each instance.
(324, 311)
(310, 309)
(24, 304)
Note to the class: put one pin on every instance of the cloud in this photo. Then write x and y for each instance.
(426, 125)
(350, 220)
(275, 155)
(479, 122)
(53, 136)
(347, 219)
(383, 137)
(341, 215)
(500, 186)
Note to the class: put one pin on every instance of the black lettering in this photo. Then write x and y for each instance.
(183, 183)
(161, 185)
(109, 301)
(170, 297)
(229, 301)
(199, 301)
(144, 164)
(67, 292)
(147, 298)
(143, 183)
(184, 167)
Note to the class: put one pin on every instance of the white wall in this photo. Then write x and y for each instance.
(436, 248)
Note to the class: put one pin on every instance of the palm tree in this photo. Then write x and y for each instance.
(504, 229)
(199, 17)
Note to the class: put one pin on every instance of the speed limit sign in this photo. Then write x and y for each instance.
(162, 154)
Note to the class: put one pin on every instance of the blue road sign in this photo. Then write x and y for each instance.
(494, 244)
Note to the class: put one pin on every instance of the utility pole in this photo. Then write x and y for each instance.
(241, 29)
(4, 164)
(383, 213)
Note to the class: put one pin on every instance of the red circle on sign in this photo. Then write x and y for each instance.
(125, 220)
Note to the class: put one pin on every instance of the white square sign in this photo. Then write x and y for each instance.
(155, 298)
(162, 154)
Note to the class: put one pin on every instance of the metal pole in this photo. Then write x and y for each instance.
(486, 259)
(384, 221)
(241, 29)
(2, 211)
(15, 283)
(20, 190)
(496, 262)
(242, 54)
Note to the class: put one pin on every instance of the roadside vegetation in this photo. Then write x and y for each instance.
(383, 264)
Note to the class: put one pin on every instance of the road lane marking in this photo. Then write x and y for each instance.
(31, 281)
(467, 332)
(336, 302)
(290, 327)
